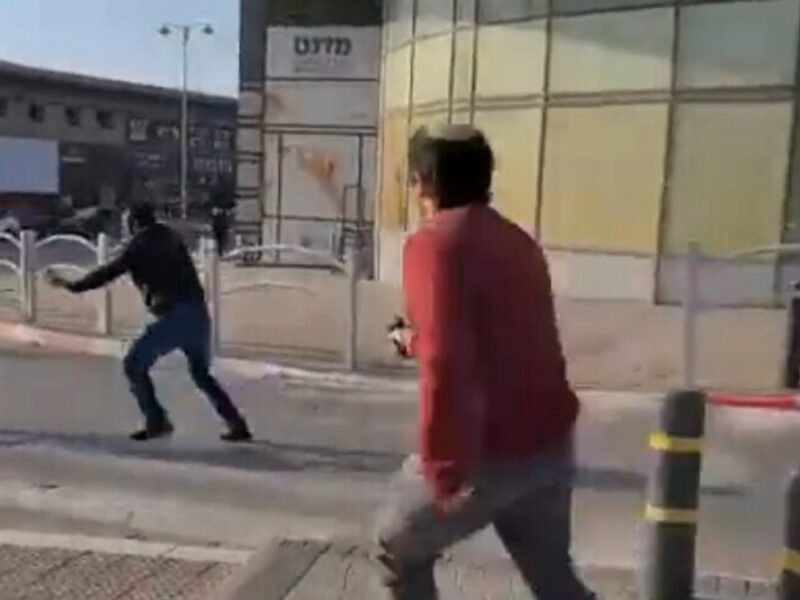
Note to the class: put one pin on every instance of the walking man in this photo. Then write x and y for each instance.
(496, 413)
(161, 267)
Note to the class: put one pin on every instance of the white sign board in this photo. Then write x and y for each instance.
(323, 52)
(342, 103)
(28, 166)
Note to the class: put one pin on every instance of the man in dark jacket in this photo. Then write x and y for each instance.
(162, 269)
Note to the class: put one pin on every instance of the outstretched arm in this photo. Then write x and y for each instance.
(97, 278)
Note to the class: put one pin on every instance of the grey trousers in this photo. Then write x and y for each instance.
(528, 502)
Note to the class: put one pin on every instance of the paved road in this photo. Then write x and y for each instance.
(322, 459)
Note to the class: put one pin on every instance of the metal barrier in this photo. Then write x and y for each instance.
(208, 263)
(693, 304)
(351, 267)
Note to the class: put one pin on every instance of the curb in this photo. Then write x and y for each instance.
(78, 343)
(278, 569)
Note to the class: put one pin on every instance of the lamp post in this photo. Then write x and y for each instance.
(185, 31)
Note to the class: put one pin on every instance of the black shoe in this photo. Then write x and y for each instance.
(238, 433)
(153, 432)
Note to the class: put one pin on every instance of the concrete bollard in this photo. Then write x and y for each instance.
(790, 574)
(668, 569)
(105, 318)
(27, 274)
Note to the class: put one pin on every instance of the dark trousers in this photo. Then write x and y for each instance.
(186, 327)
(527, 501)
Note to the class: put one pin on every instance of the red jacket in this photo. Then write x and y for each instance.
(493, 380)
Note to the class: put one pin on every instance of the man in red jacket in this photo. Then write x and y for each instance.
(496, 412)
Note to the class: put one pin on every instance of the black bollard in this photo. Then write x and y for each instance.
(668, 570)
(790, 575)
(791, 365)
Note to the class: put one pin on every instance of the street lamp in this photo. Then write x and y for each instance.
(185, 30)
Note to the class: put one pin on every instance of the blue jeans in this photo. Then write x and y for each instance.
(527, 501)
(186, 327)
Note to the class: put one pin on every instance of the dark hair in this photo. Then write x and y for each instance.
(457, 160)
(142, 215)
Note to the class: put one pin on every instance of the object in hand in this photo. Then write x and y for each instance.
(54, 279)
(398, 334)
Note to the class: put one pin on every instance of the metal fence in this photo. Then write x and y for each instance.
(27, 269)
(693, 302)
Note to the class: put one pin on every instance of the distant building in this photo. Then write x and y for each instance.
(86, 141)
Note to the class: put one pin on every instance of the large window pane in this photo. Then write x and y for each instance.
(614, 51)
(432, 69)
(603, 177)
(492, 11)
(563, 6)
(397, 78)
(738, 44)
(465, 11)
(434, 16)
(399, 15)
(729, 171)
(394, 144)
(515, 137)
(511, 59)
(463, 64)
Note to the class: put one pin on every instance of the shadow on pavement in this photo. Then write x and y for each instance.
(263, 455)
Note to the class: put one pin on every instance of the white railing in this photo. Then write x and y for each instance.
(351, 267)
(692, 301)
(208, 263)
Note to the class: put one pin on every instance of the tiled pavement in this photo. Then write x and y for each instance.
(57, 574)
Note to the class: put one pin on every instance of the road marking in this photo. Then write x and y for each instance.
(672, 516)
(677, 445)
(124, 546)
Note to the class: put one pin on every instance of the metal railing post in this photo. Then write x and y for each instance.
(790, 574)
(105, 316)
(691, 306)
(790, 377)
(27, 273)
(351, 342)
(673, 496)
(211, 267)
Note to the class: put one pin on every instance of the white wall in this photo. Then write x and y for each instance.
(28, 166)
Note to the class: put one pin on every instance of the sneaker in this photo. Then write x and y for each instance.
(153, 432)
(238, 433)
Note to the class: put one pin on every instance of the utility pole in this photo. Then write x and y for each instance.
(185, 31)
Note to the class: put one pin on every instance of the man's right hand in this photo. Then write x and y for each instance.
(56, 280)
(401, 335)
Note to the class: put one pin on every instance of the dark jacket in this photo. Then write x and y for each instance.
(159, 265)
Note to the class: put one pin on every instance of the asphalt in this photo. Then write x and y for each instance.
(322, 458)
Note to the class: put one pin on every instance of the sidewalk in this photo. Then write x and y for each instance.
(303, 570)
(40, 566)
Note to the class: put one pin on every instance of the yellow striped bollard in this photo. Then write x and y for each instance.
(668, 569)
(790, 575)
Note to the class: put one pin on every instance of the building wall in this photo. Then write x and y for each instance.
(624, 129)
(308, 122)
(123, 134)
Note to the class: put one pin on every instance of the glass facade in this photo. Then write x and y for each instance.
(623, 128)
